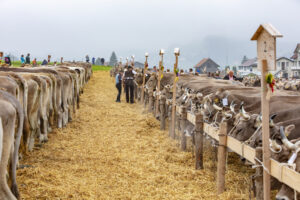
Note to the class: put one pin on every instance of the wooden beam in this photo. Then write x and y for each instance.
(158, 85)
(174, 99)
(222, 158)
(198, 141)
(287, 176)
(144, 79)
(265, 131)
(183, 125)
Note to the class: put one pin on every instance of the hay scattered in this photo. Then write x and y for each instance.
(112, 151)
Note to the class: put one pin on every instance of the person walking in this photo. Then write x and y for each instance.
(129, 84)
(22, 59)
(119, 77)
(93, 60)
(27, 61)
(87, 58)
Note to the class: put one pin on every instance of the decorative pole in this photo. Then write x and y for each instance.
(132, 57)
(160, 72)
(127, 61)
(177, 53)
(61, 60)
(144, 76)
(266, 56)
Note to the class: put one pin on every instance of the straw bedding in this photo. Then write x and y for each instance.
(113, 151)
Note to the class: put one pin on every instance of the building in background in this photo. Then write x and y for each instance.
(206, 65)
(248, 66)
(289, 67)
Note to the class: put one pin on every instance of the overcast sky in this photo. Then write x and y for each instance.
(219, 29)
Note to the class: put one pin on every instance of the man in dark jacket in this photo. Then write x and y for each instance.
(27, 59)
(119, 77)
(129, 84)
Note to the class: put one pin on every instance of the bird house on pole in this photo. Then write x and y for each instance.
(266, 36)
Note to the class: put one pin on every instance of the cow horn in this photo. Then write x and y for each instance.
(244, 114)
(232, 107)
(275, 146)
(228, 115)
(218, 108)
(271, 120)
(285, 141)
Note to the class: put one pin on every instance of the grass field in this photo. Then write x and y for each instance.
(95, 67)
(101, 68)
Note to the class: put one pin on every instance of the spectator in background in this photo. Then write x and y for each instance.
(191, 71)
(230, 76)
(181, 71)
(119, 85)
(168, 70)
(44, 62)
(34, 63)
(22, 59)
(87, 58)
(154, 69)
(27, 61)
(93, 60)
(55, 63)
(7, 60)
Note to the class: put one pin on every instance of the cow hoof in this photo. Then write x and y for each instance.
(39, 145)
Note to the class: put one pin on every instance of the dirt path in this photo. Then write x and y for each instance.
(113, 151)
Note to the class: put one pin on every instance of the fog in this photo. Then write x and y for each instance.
(217, 29)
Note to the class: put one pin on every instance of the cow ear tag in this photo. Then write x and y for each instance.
(216, 100)
(225, 102)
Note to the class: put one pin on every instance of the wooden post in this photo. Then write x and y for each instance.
(172, 134)
(266, 36)
(161, 53)
(162, 106)
(183, 125)
(265, 131)
(150, 94)
(144, 77)
(199, 141)
(222, 158)
(259, 193)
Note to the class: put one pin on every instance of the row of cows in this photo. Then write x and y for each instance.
(32, 102)
(238, 105)
(280, 84)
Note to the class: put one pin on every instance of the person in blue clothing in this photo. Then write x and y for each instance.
(22, 59)
(93, 60)
(119, 85)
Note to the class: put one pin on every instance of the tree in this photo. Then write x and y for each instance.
(102, 61)
(113, 59)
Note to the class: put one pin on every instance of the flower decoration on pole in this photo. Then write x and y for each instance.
(162, 71)
(271, 81)
(176, 71)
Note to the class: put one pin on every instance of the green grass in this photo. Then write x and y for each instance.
(94, 67)
(18, 63)
(101, 68)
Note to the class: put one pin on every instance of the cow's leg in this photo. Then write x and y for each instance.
(8, 121)
(59, 119)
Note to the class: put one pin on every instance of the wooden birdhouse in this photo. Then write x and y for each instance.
(266, 36)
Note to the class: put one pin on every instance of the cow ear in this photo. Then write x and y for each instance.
(288, 129)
